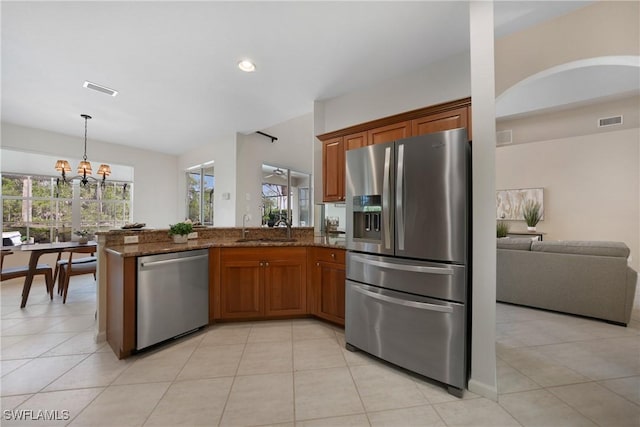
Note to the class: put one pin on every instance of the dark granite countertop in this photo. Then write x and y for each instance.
(142, 249)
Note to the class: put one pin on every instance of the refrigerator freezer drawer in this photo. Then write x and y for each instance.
(420, 334)
(444, 281)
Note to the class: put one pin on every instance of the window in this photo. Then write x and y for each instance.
(200, 195)
(279, 201)
(274, 204)
(43, 208)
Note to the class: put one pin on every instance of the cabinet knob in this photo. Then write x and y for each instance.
(262, 264)
(333, 255)
(266, 264)
(317, 264)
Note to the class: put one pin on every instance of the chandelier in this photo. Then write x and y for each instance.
(84, 168)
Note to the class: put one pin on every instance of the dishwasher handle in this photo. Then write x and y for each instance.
(172, 261)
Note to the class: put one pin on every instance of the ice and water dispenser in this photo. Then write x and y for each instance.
(367, 217)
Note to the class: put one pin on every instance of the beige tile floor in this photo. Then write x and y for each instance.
(553, 370)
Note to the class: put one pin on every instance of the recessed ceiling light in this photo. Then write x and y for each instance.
(246, 66)
(100, 88)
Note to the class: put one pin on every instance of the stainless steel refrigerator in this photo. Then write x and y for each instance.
(407, 293)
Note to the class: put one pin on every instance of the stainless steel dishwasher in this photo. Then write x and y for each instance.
(173, 295)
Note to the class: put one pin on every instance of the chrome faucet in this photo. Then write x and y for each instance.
(245, 217)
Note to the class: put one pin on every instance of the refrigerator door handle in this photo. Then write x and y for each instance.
(405, 303)
(404, 267)
(386, 196)
(400, 197)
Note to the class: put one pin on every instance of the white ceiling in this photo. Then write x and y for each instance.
(174, 63)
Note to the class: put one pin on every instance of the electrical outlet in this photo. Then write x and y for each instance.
(130, 239)
(193, 235)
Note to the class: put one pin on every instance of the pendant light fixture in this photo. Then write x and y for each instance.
(84, 168)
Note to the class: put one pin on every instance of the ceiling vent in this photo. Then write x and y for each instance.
(100, 88)
(503, 137)
(610, 121)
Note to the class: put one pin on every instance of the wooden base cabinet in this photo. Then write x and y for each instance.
(262, 282)
(121, 304)
(241, 288)
(327, 284)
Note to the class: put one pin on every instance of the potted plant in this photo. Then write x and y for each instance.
(180, 231)
(531, 213)
(84, 236)
(502, 229)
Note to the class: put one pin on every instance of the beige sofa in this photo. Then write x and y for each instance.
(586, 278)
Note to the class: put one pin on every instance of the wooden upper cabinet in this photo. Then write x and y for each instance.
(389, 133)
(453, 119)
(435, 118)
(356, 140)
(333, 168)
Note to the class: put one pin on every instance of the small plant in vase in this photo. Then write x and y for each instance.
(502, 229)
(531, 213)
(84, 235)
(180, 231)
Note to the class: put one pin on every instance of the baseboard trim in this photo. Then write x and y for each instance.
(101, 337)
(485, 390)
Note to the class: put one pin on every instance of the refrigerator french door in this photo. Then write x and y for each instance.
(409, 198)
(407, 240)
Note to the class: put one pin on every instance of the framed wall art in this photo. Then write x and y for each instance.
(509, 203)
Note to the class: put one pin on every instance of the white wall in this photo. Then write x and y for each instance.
(155, 186)
(591, 185)
(222, 152)
(483, 378)
(443, 81)
(293, 150)
(599, 29)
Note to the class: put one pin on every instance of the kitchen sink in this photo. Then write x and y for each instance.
(267, 239)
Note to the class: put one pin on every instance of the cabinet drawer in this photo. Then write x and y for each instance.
(330, 255)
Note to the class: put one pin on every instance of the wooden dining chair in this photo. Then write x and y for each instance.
(60, 262)
(73, 268)
(22, 271)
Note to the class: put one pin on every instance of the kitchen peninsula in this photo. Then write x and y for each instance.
(263, 276)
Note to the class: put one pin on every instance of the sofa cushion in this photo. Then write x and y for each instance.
(521, 244)
(612, 249)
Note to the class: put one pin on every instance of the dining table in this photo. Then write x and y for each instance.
(36, 251)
